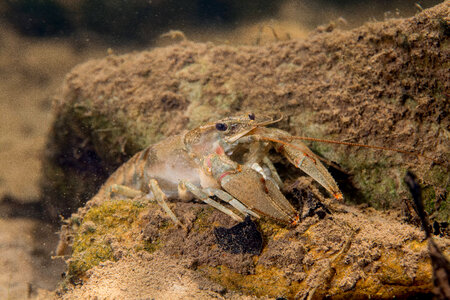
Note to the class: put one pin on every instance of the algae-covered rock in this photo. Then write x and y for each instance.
(384, 84)
(350, 253)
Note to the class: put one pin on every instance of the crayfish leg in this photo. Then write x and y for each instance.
(224, 196)
(203, 195)
(122, 190)
(161, 198)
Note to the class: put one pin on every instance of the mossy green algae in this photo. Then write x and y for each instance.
(112, 221)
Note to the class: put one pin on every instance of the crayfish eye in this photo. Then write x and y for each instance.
(251, 116)
(221, 126)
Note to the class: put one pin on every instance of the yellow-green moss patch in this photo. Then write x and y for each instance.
(112, 221)
(264, 282)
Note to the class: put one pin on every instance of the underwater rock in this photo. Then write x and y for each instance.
(383, 83)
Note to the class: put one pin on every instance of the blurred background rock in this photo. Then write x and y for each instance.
(142, 21)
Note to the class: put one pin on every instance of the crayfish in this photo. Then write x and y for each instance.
(198, 164)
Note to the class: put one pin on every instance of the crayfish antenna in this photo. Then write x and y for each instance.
(305, 138)
(265, 123)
